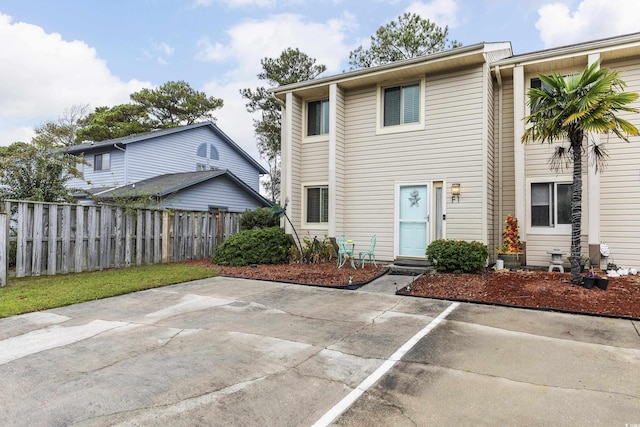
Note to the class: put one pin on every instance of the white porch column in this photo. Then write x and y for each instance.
(593, 188)
(518, 150)
(285, 156)
(333, 188)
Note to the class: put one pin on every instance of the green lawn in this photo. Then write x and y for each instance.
(40, 293)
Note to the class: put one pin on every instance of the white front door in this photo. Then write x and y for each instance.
(413, 220)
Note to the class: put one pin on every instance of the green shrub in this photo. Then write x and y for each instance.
(458, 256)
(258, 218)
(261, 246)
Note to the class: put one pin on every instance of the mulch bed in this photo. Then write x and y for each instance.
(531, 289)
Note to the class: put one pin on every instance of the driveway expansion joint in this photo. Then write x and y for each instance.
(557, 387)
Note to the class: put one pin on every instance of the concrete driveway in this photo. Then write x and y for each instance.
(238, 352)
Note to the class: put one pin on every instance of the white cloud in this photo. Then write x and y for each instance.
(442, 12)
(11, 135)
(592, 19)
(250, 41)
(210, 52)
(164, 48)
(44, 74)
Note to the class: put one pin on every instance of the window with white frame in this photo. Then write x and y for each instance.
(102, 162)
(318, 117)
(401, 104)
(317, 204)
(550, 204)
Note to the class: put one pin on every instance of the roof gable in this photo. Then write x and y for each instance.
(120, 143)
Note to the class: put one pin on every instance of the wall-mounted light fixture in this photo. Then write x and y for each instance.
(455, 193)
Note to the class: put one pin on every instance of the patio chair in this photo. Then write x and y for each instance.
(369, 253)
(345, 250)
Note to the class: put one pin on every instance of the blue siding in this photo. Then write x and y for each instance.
(115, 176)
(219, 192)
(178, 153)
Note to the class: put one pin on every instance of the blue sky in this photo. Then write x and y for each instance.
(57, 53)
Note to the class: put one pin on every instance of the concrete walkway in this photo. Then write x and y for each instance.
(239, 352)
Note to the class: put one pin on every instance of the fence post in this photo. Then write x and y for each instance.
(166, 236)
(4, 248)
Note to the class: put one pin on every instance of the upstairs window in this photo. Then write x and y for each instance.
(317, 204)
(401, 105)
(318, 117)
(550, 204)
(213, 153)
(102, 162)
(202, 150)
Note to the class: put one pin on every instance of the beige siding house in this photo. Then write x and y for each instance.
(377, 151)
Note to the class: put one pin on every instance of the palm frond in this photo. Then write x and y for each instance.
(560, 159)
(598, 156)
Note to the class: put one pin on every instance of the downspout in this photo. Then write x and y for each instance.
(500, 203)
(126, 169)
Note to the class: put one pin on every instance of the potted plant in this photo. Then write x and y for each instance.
(589, 279)
(602, 283)
(511, 250)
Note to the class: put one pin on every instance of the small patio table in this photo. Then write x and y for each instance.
(348, 254)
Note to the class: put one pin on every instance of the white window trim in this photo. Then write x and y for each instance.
(558, 229)
(313, 138)
(410, 127)
(311, 225)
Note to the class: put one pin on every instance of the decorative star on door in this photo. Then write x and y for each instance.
(414, 199)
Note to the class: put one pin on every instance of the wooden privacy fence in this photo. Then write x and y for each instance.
(49, 238)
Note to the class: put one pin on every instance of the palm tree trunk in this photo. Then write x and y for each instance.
(576, 208)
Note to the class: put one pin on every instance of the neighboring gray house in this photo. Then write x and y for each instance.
(193, 167)
(194, 189)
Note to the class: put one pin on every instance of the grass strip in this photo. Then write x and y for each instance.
(29, 294)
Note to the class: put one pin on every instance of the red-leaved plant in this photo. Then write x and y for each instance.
(511, 243)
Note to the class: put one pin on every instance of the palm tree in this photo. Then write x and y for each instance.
(570, 108)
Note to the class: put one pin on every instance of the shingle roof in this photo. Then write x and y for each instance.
(163, 185)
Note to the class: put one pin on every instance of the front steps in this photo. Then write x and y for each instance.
(411, 267)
